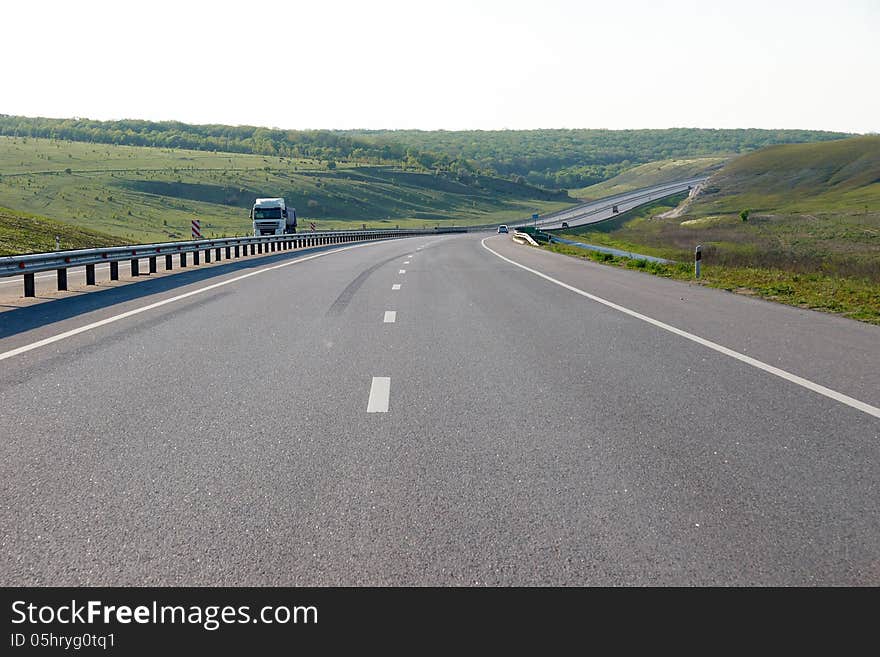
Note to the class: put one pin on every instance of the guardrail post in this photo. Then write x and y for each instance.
(698, 259)
(207, 256)
(196, 256)
(169, 263)
(237, 251)
(153, 268)
(62, 279)
(183, 258)
(135, 267)
(30, 286)
(90, 274)
(114, 270)
(217, 254)
(228, 253)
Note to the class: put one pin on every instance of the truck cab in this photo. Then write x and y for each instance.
(272, 216)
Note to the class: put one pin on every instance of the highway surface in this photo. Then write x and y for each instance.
(455, 410)
(602, 209)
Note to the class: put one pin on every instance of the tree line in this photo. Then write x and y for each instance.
(555, 159)
(577, 158)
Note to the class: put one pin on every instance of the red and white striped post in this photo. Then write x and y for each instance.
(196, 229)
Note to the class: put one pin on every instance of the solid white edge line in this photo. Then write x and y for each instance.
(788, 376)
(164, 302)
(390, 316)
(380, 393)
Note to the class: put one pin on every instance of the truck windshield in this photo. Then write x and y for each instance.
(267, 213)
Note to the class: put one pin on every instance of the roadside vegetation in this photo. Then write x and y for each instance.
(21, 232)
(798, 224)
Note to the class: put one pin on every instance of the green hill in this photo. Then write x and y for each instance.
(146, 194)
(811, 237)
(812, 207)
(572, 159)
(832, 177)
(652, 173)
(21, 232)
(556, 158)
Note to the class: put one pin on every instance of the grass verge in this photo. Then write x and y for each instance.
(21, 232)
(854, 298)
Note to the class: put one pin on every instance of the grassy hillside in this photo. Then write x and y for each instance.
(144, 194)
(834, 177)
(811, 238)
(560, 159)
(572, 159)
(652, 173)
(27, 233)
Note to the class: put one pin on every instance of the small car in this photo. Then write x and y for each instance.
(503, 229)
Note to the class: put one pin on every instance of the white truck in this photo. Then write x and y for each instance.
(272, 216)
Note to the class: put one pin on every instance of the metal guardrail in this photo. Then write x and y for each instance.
(231, 247)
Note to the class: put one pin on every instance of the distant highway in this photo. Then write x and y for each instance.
(437, 410)
(603, 209)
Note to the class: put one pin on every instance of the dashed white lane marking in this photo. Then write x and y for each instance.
(402, 271)
(165, 302)
(410, 255)
(390, 316)
(396, 286)
(788, 376)
(406, 262)
(380, 393)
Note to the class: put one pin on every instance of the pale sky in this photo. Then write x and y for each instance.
(451, 64)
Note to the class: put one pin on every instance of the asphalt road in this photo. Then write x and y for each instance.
(602, 209)
(296, 420)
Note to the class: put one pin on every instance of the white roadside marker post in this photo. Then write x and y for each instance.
(698, 258)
